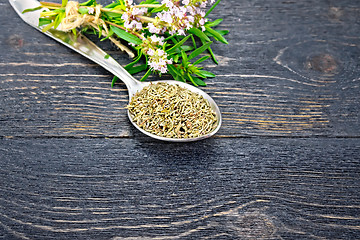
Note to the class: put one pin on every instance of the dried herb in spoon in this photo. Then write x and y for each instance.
(172, 111)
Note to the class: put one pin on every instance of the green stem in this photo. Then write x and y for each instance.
(148, 5)
(111, 10)
(50, 7)
(212, 8)
(50, 4)
(147, 19)
(48, 27)
(48, 14)
(153, 20)
(121, 27)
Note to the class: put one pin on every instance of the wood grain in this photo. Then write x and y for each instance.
(279, 76)
(284, 165)
(222, 189)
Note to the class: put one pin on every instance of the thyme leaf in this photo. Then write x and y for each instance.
(150, 32)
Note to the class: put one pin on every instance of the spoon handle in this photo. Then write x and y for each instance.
(78, 43)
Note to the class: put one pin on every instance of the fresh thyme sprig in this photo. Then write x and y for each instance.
(170, 36)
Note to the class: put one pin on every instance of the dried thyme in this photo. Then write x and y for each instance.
(172, 111)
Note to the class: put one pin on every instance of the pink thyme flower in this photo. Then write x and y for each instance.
(155, 40)
(165, 16)
(180, 16)
(153, 29)
(91, 11)
(138, 25)
(190, 10)
(125, 17)
(131, 16)
(158, 60)
(151, 52)
(186, 2)
(181, 32)
(168, 3)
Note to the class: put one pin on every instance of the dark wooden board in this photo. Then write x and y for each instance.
(139, 189)
(284, 165)
(290, 69)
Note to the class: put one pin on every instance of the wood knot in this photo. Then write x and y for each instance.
(324, 63)
(253, 225)
(15, 41)
(335, 13)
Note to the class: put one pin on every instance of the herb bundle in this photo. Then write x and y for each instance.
(172, 111)
(170, 36)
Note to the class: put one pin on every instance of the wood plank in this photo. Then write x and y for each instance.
(138, 189)
(290, 69)
(73, 167)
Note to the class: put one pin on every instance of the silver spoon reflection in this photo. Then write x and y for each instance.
(88, 49)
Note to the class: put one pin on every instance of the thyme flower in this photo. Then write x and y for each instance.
(166, 37)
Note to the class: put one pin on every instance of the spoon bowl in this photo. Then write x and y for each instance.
(211, 101)
(88, 49)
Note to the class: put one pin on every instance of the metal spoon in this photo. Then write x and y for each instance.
(88, 49)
